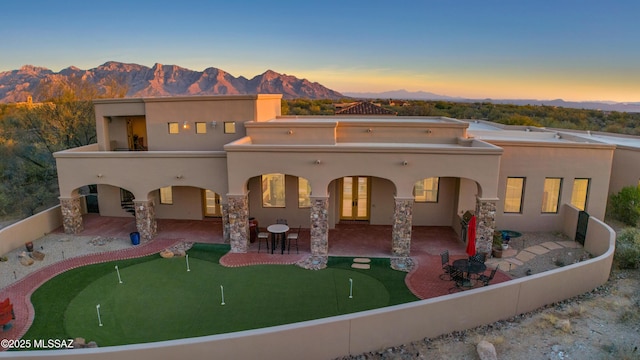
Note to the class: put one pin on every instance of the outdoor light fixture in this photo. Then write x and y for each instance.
(405, 163)
(99, 175)
(318, 162)
(185, 125)
(290, 132)
(428, 131)
(369, 130)
(179, 177)
(213, 124)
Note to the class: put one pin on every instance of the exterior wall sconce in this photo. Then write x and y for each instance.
(290, 132)
(318, 162)
(213, 124)
(405, 163)
(369, 130)
(185, 125)
(179, 177)
(100, 175)
(428, 131)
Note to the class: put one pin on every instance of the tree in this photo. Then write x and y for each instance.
(625, 205)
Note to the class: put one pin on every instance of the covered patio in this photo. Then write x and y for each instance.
(348, 240)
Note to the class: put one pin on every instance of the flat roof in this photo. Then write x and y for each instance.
(369, 119)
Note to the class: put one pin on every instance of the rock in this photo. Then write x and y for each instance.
(26, 261)
(179, 252)
(564, 325)
(92, 344)
(486, 351)
(37, 255)
(166, 254)
(78, 343)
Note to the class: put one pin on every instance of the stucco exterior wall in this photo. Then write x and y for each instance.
(187, 204)
(535, 162)
(142, 172)
(295, 215)
(624, 170)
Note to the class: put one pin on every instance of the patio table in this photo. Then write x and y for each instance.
(470, 267)
(278, 230)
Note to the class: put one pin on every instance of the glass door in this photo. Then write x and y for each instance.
(211, 202)
(355, 198)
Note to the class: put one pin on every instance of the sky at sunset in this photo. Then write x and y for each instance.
(569, 49)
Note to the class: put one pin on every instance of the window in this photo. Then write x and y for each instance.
(230, 127)
(514, 194)
(426, 190)
(551, 195)
(201, 128)
(273, 191)
(304, 191)
(166, 195)
(174, 128)
(580, 193)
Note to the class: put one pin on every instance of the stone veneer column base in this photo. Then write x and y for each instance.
(238, 212)
(319, 216)
(226, 236)
(485, 224)
(402, 222)
(146, 219)
(71, 215)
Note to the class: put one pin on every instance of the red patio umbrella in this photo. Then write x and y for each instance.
(471, 244)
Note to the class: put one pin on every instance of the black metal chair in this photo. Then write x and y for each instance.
(262, 235)
(281, 221)
(446, 266)
(484, 279)
(479, 258)
(293, 236)
(457, 276)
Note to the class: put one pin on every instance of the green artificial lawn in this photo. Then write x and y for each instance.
(160, 300)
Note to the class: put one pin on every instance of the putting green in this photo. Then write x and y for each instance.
(159, 300)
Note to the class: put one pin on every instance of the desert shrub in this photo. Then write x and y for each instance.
(627, 253)
(625, 205)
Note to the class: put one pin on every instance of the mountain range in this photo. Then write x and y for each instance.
(173, 80)
(160, 80)
(423, 95)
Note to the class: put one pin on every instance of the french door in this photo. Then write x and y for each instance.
(355, 198)
(211, 204)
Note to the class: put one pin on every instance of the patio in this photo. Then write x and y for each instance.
(347, 240)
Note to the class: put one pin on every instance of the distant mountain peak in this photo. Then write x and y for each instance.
(162, 80)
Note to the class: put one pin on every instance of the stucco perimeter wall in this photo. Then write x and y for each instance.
(372, 330)
(29, 229)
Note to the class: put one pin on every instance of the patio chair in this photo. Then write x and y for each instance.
(262, 235)
(479, 258)
(457, 276)
(485, 280)
(6, 314)
(446, 266)
(281, 221)
(293, 236)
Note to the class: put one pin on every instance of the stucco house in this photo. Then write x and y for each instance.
(236, 157)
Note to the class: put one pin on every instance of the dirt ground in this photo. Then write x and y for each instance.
(601, 324)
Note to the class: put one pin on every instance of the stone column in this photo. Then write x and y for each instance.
(226, 236)
(238, 212)
(71, 215)
(319, 215)
(146, 219)
(485, 224)
(402, 221)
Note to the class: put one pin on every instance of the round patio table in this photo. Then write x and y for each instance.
(470, 267)
(277, 230)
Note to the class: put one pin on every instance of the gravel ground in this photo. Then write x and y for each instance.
(56, 247)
